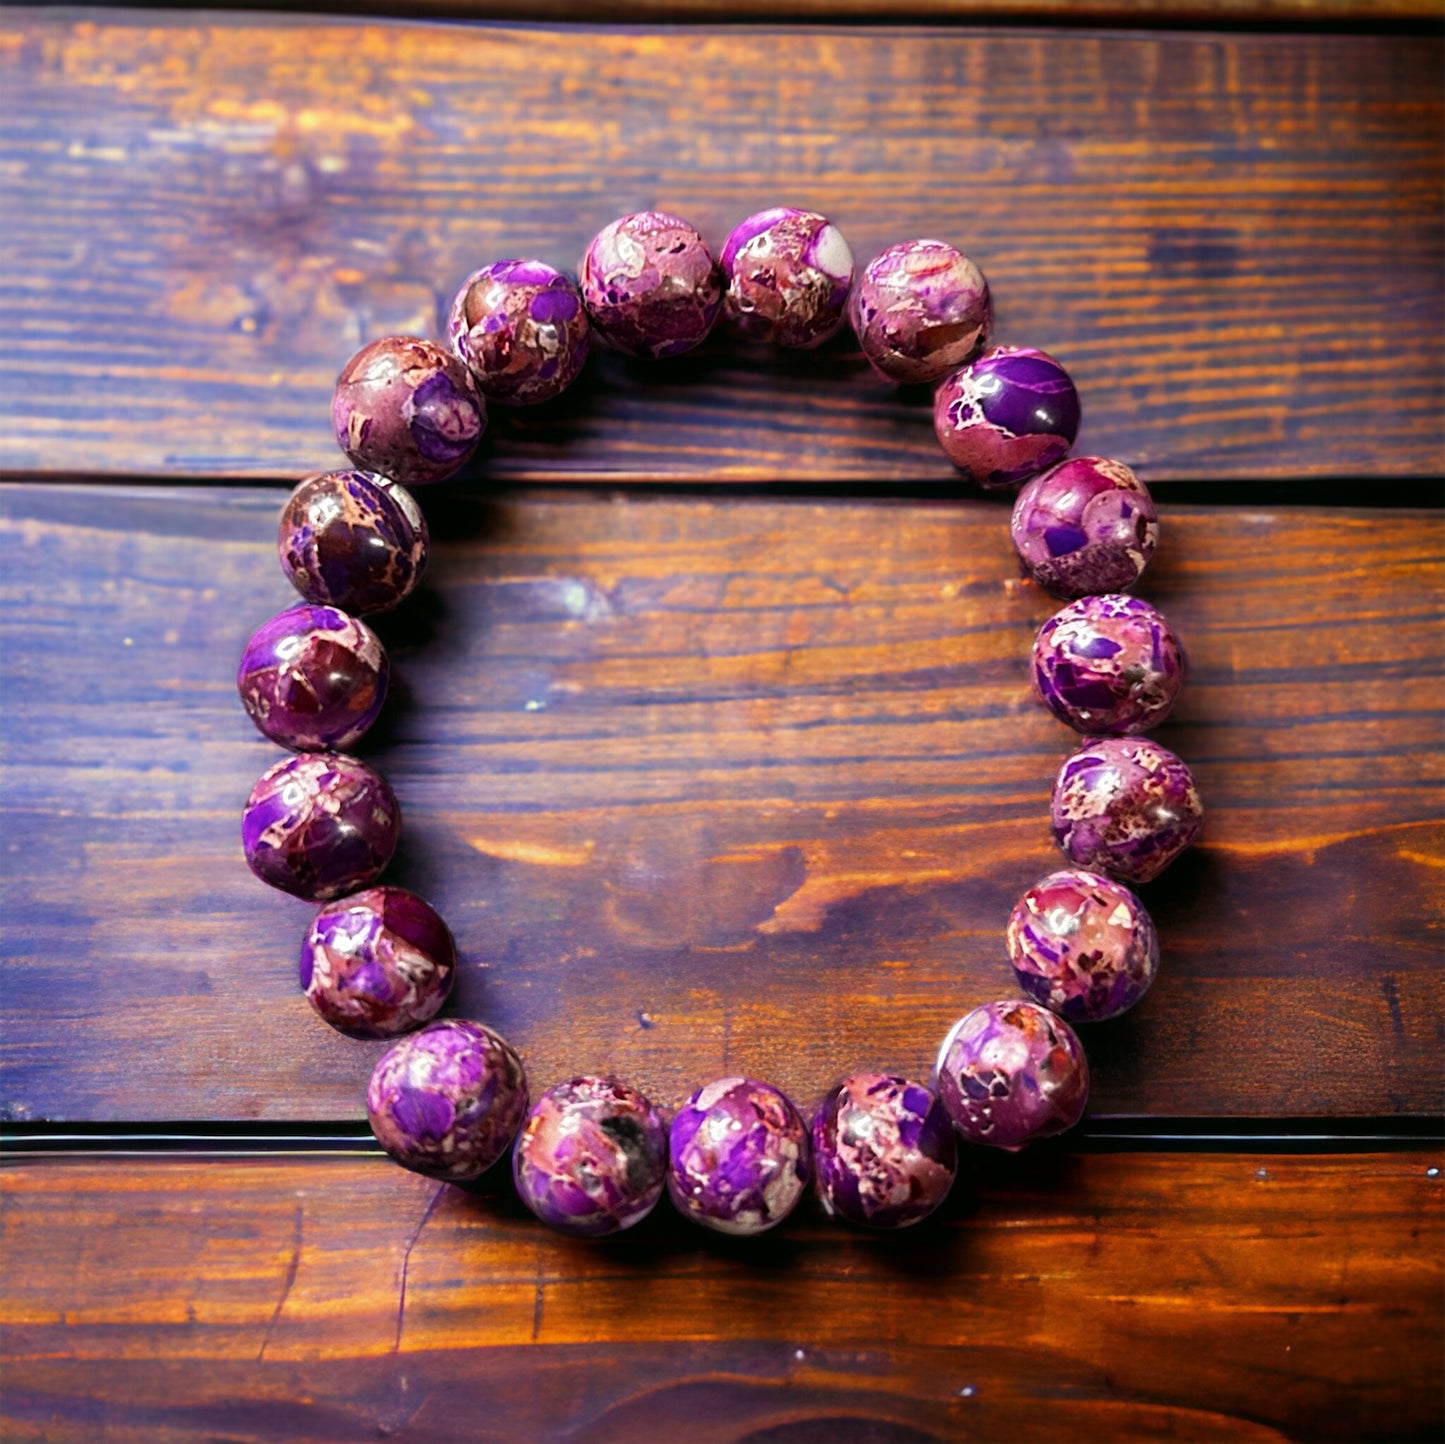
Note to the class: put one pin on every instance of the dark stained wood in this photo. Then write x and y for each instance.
(1240, 1297)
(708, 785)
(1235, 242)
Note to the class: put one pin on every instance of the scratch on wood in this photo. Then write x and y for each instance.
(537, 1299)
(292, 1266)
(406, 1261)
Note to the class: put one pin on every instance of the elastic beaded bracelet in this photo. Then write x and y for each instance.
(591, 1155)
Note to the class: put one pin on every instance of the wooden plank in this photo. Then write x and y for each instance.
(1234, 241)
(707, 785)
(1239, 1297)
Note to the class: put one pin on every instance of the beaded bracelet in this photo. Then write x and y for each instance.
(592, 1155)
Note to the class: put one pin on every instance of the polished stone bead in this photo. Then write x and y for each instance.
(651, 285)
(447, 1101)
(320, 825)
(883, 1151)
(378, 963)
(1082, 945)
(1108, 665)
(313, 678)
(1006, 416)
(1086, 525)
(352, 539)
(521, 329)
(786, 277)
(920, 309)
(407, 409)
(1125, 806)
(739, 1157)
(1012, 1073)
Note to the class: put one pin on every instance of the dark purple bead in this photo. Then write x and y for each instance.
(320, 825)
(352, 539)
(739, 1157)
(787, 274)
(591, 1158)
(883, 1151)
(378, 963)
(1007, 415)
(447, 1101)
(313, 678)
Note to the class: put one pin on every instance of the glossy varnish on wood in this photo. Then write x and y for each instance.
(1234, 242)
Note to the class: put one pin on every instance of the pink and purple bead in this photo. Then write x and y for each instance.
(353, 540)
(1012, 1073)
(1082, 945)
(920, 309)
(884, 1154)
(591, 1158)
(1108, 665)
(313, 678)
(378, 963)
(320, 825)
(1087, 525)
(408, 409)
(447, 1101)
(1125, 806)
(521, 329)
(650, 285)
(787, 274)
(739, 1157)
(1006, 416)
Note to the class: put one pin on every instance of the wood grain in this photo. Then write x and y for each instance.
(709, 785)
(1235, 242)
(1240, 1297)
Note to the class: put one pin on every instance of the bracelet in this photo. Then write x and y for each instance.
(592, 1155)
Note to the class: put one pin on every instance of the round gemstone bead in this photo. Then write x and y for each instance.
(1083, 946)
(521, 329)
(883, 1151)
(1087, 525)
(378, 963)
(1125, 806)
(407, 409)
(1012, 1073)
(920, 309)
(320, 825)
(651, 285)
(1108, 665)
(352, 539)
(739, 1157)
(1006, 416)
(447, 1101)
(313, 678)
(786, 275)
(591, 1158)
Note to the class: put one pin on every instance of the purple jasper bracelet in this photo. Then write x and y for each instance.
(591, 1155)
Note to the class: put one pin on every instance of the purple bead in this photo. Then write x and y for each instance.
(1012, 1073)
(1007, 415)
(313, 678)
(739, 1156)
(378, 963)
(650, 285)
(1108, 665)
(591, 1158)
(883, 1151)
(1125, 806)
(447, 1101)
(521, 329)
(1082, 946)
(1088, 525)
(920, 309)
(787, 275)
(352, 539)
(407, 409)
(320, 825)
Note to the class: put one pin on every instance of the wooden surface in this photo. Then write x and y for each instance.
(1097, 1297)
(1233, 241)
